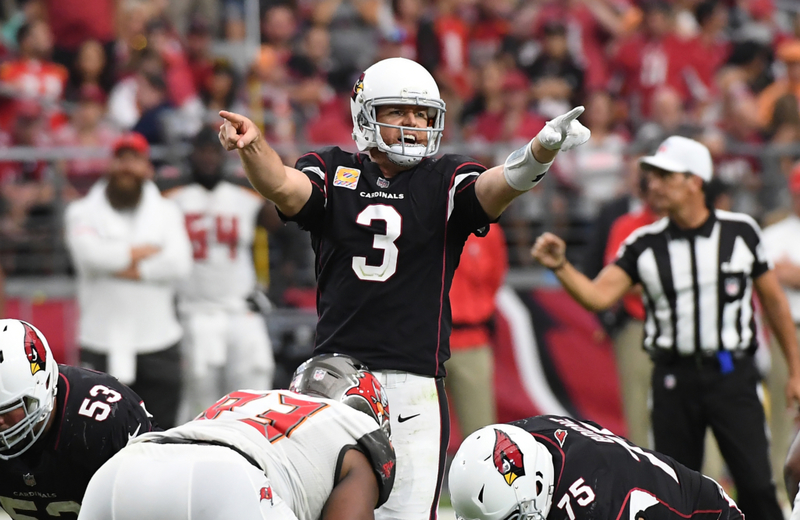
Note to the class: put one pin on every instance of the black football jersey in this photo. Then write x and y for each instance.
(386, 251)
(95, 417)
(599, 476)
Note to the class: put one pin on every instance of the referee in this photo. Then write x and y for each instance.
(698, 269)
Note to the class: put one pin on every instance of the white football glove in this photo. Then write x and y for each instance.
(564, 132)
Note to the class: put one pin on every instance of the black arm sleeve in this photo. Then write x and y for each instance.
(380, 453)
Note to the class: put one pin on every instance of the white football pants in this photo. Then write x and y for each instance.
(224, 352)
(180, 482)
(417, 406)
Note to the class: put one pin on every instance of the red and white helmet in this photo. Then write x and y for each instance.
(396, 81)
(501, 472)
(28, 380)
(345, 379)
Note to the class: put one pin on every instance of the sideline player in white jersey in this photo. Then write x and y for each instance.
(322, 450)
(226, 343)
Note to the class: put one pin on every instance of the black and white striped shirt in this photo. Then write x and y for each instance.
(698, 284)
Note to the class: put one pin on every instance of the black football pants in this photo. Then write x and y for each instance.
(158, 380)
(688, 398)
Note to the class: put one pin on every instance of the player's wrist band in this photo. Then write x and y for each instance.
(560, 266)
(521, 169)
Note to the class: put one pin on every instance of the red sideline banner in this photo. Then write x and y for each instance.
(551, 357)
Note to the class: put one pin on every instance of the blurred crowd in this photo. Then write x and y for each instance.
(79, 72)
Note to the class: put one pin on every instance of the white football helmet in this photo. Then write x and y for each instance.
(28, 381)
(396, 81)
(501, 472)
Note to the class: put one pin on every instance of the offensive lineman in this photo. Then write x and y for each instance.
(225, 341)
(321, 450)
(552, 467)
(388, 226)
(58, 425)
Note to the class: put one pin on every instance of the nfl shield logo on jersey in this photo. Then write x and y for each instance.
(346, 177)
(732, 286)
(383, 183)
(29, 479)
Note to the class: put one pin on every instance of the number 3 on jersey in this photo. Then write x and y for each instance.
(385, 242)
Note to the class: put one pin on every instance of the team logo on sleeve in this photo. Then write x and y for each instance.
(34, 349)
(346, 177)
(507, 457)
(369, 389)
(266, 494)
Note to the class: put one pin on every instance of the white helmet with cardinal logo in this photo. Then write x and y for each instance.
(28, 383)
(501, 472)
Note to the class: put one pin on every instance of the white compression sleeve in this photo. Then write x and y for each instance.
(521, 169)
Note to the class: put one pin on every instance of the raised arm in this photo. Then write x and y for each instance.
(594, 295)
(288, 188)
(524, 168)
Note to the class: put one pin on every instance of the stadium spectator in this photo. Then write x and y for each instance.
(221, 90)
(269, 101)
(652, 58)
(87, 127)
(183, 13)
(443, 49)
(154, 107)
(353, 26)
(667, 117)
(491, 25)
(597, 170)
(198, 53)
(279, 29)
(505, 117)
(556, 78)
(32, 76)
(591, 26)
(709, 49)
(75, 22)
(130, 247)
(90, 62)
(310, 69)
(778, 103)
(27, 187)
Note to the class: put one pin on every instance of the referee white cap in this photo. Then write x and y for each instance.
(682, 155)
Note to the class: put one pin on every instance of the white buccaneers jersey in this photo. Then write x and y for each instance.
(221, 225)
(296, 439)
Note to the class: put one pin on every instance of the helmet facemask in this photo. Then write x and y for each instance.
(401, 153)
(17, 439)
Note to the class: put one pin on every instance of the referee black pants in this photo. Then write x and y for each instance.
(688, 398)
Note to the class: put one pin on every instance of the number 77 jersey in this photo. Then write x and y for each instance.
(386, 251)
(600, 476)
